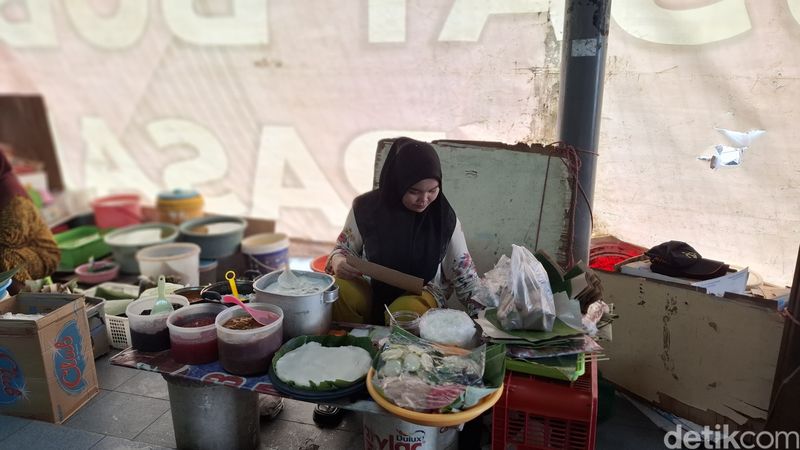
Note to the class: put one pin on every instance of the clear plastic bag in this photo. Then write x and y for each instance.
(421, 376)
(526, 301)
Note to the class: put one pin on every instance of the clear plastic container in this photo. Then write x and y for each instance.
(150, 333)
(193, 334)
(248, 352)
(181, 259)
(407, 320)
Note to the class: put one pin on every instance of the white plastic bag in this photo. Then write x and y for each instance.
(526, 302)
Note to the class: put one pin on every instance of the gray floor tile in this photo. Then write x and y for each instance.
(119, 414)
(160, 432)
(620, 437)
(282, 434)
(10, 425)
(44, 436)
(110, 376)
(303, 412)
(115, 443)
(148, 384)
(297, 411)
(340, 440)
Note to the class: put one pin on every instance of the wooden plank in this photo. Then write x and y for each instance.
(708, 353)
(25, 126)
(505, 195)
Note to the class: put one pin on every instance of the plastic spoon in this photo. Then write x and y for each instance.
(262, 317)
(231, 277)
(161, 306)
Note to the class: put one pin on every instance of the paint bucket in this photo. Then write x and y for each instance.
(389, 432)
(179, 205)
(116, 211)
(266, 252)
(179, 258)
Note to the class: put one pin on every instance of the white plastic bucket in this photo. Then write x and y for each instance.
(181, 259)
(266, 252)
(382, 432)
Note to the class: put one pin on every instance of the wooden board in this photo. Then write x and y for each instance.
(694, 354)
(504, 195)
(25, 127)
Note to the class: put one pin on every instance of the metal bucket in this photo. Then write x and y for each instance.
(302, 314)
(207, 416)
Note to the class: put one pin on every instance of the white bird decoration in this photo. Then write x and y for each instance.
(727, 156)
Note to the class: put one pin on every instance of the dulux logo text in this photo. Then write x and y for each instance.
(68, 359)
(12, 382)
(395, 441)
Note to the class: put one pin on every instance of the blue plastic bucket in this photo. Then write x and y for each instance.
(266, 252)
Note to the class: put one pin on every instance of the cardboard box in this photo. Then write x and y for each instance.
(734, 281)
(47, 370)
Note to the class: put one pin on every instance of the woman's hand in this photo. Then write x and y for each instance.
(342, 269)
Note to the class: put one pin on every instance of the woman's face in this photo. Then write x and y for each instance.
(420, 195)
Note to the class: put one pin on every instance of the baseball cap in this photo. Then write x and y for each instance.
(679, 259)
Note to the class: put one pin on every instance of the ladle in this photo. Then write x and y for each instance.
(262, 317)
(161, 305)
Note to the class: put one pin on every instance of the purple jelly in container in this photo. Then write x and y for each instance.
(245, 346)
(150, 333)
(192, 333)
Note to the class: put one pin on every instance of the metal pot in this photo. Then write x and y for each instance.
(302, 314)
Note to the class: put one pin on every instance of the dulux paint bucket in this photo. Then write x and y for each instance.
(266, 252)
(383, 432)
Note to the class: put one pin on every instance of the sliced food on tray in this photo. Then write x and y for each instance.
(312, 364)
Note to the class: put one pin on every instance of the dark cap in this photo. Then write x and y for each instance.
(679, 259)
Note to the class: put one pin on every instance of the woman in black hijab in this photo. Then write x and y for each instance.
(408, 225)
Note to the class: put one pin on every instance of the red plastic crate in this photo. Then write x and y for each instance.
(542, 413)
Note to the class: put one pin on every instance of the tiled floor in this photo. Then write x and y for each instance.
(132, 412)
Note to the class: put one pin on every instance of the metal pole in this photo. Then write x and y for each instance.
(583, 61)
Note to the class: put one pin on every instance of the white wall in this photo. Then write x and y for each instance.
(274, 108)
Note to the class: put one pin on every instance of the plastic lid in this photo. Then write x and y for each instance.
(178, 194)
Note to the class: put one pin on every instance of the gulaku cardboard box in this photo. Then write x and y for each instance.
(47, 368)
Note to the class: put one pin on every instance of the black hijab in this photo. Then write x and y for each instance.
(396, 237)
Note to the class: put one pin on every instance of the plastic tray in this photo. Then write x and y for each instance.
(78, 245)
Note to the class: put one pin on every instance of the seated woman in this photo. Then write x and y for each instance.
(25, 240)
(408, 225)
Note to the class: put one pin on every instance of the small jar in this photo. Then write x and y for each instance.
(179, 205)
(407, 320)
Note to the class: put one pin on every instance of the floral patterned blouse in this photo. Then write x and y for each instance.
(456, 271)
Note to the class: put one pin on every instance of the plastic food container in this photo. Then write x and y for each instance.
(109, 272)
(78, 245)
(179, 205)
(125, 242)
(248, 352)
(193, 334)
(150, 333)
(117, 210)
(180, 258)
(217, 236)
(266, 252)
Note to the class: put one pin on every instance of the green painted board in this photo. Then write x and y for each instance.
(505, 195)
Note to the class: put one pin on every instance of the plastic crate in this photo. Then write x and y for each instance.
(542, 413)
(119, 332)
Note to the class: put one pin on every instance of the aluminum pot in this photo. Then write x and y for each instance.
(309, 314)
